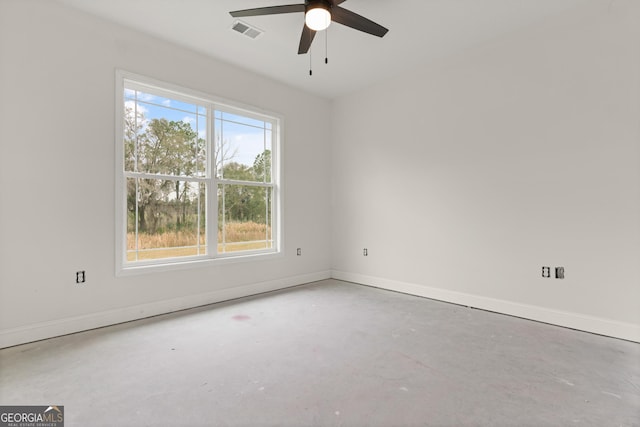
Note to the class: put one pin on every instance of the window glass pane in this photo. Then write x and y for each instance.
(152, 100)
(263, 164)
(222, 154)
(268, 194)
(165, 219)
(168, 146)
(129, 94)
(181, 106)
(163, 136)
(245, 150)
(201, 147)
(134, 128)
(244, 218)
(236, 118)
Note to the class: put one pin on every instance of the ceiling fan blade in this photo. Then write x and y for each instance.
(270, 10)
(305, 39)
(337, 2)
(357, 22)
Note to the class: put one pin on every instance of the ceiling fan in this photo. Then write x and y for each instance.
(318, 15)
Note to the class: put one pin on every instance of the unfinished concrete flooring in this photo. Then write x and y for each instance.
(329, 354)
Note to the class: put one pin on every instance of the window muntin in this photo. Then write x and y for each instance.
(194, 171)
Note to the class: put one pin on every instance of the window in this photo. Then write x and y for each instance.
(197, 178)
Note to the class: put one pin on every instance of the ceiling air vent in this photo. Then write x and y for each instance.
(246, 29)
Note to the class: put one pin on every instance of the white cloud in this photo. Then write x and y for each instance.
(130, 111)
(131, 105)
(146, 97)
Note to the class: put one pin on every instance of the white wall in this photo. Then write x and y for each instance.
(57, 103)
(464, 177)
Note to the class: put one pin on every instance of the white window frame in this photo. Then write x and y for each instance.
(212, 103)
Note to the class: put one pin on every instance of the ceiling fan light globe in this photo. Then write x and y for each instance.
(317, 18)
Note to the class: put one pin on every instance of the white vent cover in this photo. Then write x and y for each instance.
(246, 29)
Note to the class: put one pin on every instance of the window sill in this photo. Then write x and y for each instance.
(192, 263)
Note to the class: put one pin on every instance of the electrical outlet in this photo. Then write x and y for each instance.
(546, 272)
(299, 252)
(365, 252)
(81, 276)
(559, 272)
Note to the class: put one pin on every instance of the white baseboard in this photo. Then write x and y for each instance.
(596, 325)
(44, 330)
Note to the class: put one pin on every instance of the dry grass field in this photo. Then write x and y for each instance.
(239, 236)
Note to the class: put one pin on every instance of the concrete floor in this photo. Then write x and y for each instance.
(329, 354)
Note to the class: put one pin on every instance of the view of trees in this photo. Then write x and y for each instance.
(168, 148)
(243, 202)
(162, 206)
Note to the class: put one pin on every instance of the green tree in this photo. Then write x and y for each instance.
(245, 202)
(262, 166)
(163, 147)
(237, 198)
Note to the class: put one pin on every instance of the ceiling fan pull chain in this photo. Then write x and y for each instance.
(326, 46)
(310, 64)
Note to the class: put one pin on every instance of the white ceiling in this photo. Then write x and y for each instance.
(419, 31)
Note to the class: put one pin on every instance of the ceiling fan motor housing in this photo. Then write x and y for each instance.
(312, 4)
(317, 14)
